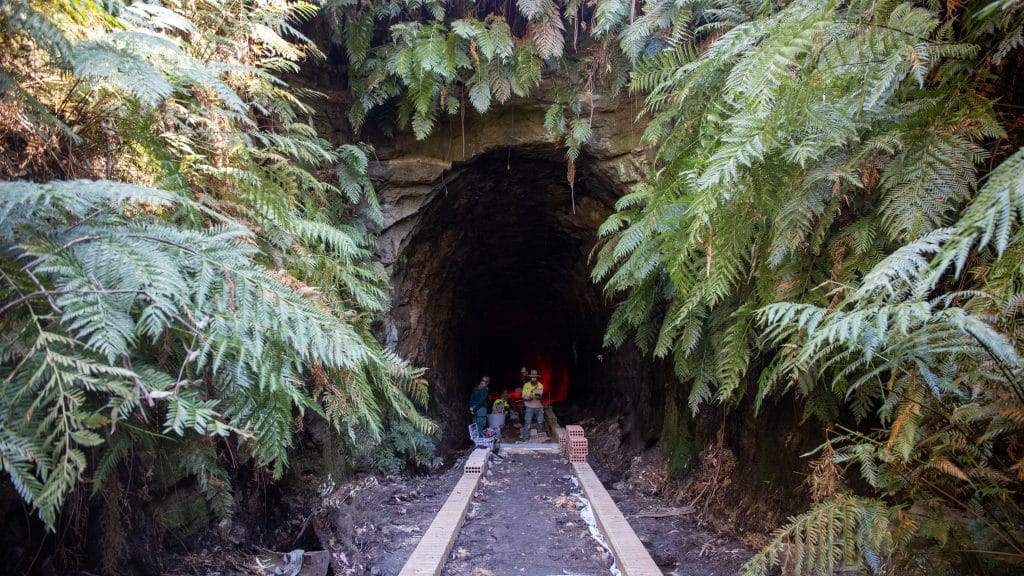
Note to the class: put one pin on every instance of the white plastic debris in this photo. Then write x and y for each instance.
(588, 516)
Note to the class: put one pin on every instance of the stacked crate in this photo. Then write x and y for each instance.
(576, 443)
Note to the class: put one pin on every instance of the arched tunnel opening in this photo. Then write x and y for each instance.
(496, 277)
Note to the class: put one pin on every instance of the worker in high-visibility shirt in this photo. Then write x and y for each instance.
(501, 405)
(533, 390)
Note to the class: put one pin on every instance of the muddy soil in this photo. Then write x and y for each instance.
(370, 526)
(525, 520)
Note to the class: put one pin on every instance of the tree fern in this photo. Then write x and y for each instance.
(546, 30)
(814, 163)
(163, 310)
(113, 282)
(848, 531)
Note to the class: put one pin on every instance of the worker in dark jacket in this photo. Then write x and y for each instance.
(478, 404)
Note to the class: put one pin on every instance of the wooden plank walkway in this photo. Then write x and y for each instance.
(524, 520)
(428, 559)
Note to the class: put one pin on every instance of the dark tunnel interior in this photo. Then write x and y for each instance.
(497, 277)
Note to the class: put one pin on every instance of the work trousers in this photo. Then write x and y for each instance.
(532, 413)
(480, 417)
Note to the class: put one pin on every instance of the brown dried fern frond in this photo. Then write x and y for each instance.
(825, 478)
(713, 477)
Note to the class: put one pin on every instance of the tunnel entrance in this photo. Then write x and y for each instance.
(496, 277)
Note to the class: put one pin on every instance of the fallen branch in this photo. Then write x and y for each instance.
(665, 512)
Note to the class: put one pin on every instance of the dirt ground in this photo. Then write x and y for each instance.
(524, 520)
(674, 540)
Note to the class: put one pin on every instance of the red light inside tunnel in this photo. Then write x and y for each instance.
(553, 375)
(514, 337)
(555, 378)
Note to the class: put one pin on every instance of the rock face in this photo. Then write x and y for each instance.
(488, 244)
(410, 173)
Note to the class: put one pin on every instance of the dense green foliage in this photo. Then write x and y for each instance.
(834, 214)
(418, 60)
(210, 281)
(805, 232)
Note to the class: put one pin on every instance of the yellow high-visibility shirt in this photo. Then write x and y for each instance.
(529, 389)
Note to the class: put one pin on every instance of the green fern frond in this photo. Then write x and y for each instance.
(847, 532)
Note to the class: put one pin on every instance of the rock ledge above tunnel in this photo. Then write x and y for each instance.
(409, 173)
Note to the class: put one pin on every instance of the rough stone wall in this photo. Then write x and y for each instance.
(409, 173)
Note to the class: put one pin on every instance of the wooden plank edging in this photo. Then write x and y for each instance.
(631, 558)
(431, 553)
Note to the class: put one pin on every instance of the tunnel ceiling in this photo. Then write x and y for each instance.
(519, 239)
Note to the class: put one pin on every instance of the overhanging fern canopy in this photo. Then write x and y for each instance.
(834, 213)
(213, 279)
(816, 225)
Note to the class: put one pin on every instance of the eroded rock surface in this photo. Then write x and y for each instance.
(488, 246)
